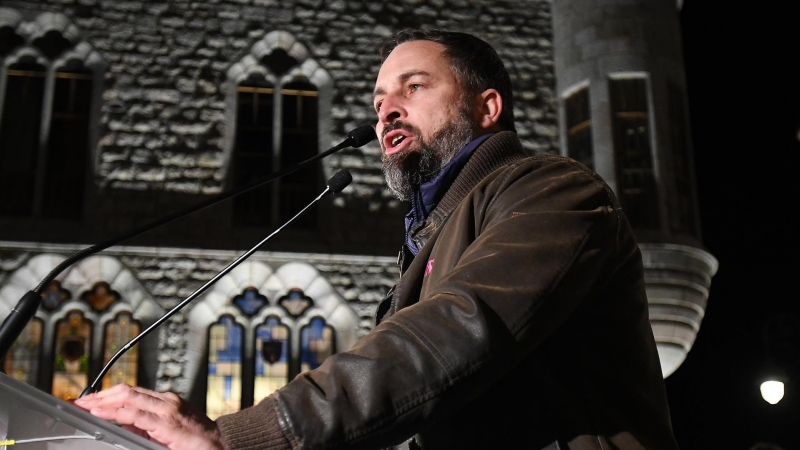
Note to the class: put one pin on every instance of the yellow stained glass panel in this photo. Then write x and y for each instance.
(22, 360)
(72, 354)
(271, 358)
(118, 333)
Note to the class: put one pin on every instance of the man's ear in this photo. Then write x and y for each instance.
(490, 105)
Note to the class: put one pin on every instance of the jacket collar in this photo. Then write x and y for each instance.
(425, 197)
(497, 151)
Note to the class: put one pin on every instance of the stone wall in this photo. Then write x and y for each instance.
(162, 121)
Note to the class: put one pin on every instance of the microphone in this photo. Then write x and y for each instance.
(339, 181)
(361, 136)
(25, 309)
(335, 184)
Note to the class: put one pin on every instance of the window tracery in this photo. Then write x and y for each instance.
(297, 321)
(71, 337)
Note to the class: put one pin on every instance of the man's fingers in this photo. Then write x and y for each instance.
(106, 397)
(163, 417)
(105, 393)
(123, 395)
(144, 420)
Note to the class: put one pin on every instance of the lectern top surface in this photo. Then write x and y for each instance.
(28, 414)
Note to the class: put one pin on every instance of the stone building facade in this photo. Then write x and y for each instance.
(162, 131)
(163, 108)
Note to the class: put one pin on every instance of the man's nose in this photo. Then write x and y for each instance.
(392, 109)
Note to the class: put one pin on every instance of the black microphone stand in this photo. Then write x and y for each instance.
(25, 309)
(336, 183)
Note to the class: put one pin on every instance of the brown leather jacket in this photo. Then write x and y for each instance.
(522, 323)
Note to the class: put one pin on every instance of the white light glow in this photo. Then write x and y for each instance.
(772, 391)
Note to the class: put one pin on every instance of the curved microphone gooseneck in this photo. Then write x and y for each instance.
(25, 309)
(335, 184)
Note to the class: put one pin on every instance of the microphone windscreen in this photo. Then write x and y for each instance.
(361, 135)
(339, 181)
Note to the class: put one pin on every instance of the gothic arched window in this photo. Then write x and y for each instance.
(275, 96)
(272, 327)
(225, 355)
(71, 338)
(246, 364)
(22, 360)
(272, 357)
(73, 349)
(19, 135)
(119, 332)
(275, 129)
(317, 344)
(47, 96)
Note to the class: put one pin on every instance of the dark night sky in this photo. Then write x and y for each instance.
(745, 111)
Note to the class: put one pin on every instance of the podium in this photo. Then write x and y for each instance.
(27, 413)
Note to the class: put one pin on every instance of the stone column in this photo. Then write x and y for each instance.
(623, 111)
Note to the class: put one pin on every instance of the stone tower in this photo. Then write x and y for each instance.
(622, 105)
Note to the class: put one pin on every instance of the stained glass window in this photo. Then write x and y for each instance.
(73, 337)
(636, 183)
(73, 357)
(316, 344)
(272, 357)
(250, 301)
(277, 349)
(295, 302)
(54, 295)
(100, 297)
(22, 360)
(118, 333)
(225, 354)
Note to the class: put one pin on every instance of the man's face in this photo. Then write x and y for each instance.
(424, 116)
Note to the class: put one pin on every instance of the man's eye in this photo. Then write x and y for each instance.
(414, 87)
(378, 107)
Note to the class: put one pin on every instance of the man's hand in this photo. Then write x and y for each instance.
(161, 417)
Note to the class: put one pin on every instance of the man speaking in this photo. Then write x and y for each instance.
(519, 320)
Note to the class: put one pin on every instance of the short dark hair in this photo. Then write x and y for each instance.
(475, 61)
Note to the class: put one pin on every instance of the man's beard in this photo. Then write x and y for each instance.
(423, 160)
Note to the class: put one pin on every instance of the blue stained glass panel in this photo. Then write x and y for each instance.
(317, 344)
(224, 392)
(250, 301)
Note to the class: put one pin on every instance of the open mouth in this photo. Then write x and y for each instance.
(395, 141)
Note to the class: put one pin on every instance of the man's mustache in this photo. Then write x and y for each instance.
(399, 125)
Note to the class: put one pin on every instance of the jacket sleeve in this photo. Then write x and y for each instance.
(539, 238)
